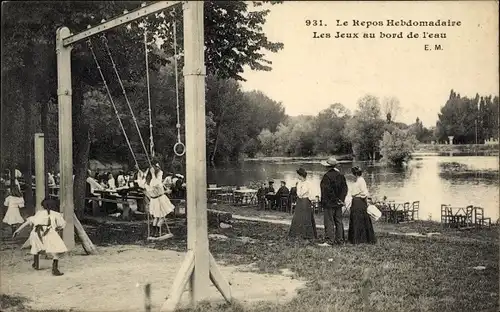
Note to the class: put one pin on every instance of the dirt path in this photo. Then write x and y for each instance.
(114, 280)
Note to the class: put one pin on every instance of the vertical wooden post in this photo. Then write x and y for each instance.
(199, 267)
(39, 169)
(65, 135)
(196, 178)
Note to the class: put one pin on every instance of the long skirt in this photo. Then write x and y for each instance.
(360, 224)
(160, 207)
(13, 216)
(50, 243)
(303, 223)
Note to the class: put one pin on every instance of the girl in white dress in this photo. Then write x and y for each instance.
(159, 204)
(44, 237)
(14, 202)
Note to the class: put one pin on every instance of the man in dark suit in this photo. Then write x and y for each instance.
(282, 192)
(333, 193)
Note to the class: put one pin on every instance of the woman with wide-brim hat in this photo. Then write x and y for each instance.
(303, 223)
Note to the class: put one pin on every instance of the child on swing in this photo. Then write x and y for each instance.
(44, 237)
(159, 204)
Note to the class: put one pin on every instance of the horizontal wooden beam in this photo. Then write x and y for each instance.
(117, 21)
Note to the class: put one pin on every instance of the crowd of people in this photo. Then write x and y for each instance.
(174, 184)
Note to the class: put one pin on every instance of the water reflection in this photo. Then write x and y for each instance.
(420, 181)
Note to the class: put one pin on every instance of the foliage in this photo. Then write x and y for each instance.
(392, 107)
(329, 135)
(467, 119)
(366, 128)
(422, 134)
(398, 146)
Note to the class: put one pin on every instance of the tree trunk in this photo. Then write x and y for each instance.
(29, 102)
(81, 149)
(218, 128)
(43, 124)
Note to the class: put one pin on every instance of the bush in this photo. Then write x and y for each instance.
(397, 147)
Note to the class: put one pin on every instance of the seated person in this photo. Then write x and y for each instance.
(282, 192)
(270, 193)
(179, 187)
(261, 196)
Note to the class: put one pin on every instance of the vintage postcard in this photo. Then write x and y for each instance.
(250, 156)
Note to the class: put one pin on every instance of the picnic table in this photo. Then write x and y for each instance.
(245, 196)
(213, 191)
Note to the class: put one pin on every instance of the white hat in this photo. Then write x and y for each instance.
(330, 162)
(179, 175)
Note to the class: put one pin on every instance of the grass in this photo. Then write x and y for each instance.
(407, 273)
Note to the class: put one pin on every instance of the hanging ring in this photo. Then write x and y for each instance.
(181, 146)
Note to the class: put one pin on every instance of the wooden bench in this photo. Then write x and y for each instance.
(96, 200)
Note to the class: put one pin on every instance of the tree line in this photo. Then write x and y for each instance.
(468, 120)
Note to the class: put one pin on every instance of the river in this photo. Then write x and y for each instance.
(422, 180)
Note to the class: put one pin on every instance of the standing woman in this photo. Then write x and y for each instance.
(13, 202)
(159, 204)
(44, 237)
(303, 223)
(360, 223)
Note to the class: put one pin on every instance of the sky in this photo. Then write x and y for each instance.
(310, 74)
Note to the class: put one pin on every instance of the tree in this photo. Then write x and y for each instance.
(329, 130)
(366, 128)
(392, 107)
(267, 142)
(465, 118)
(398, 146)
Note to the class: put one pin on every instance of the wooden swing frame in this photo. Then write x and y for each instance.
(199, 266)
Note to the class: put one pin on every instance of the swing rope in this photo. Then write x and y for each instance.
(151, 142)
(178, 125)
(89, 43)
(105, 40)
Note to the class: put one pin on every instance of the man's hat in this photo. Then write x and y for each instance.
(271, 182)
(330, 162)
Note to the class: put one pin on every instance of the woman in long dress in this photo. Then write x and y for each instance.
(159, 204)
(44, 237)
(360, 224)
(303, 223)
(14, 202)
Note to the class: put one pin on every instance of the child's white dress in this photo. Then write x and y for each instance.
(159, 204)
(44, 237)
(13, 216)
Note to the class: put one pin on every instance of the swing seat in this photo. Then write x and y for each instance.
(161, 238)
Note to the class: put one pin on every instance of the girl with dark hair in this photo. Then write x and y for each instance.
(44, 237)
(14, 202)
(360, 224)
(303, 223)
(159, 204)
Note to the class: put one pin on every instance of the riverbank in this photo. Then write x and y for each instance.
(437, 273)
(457, 148)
